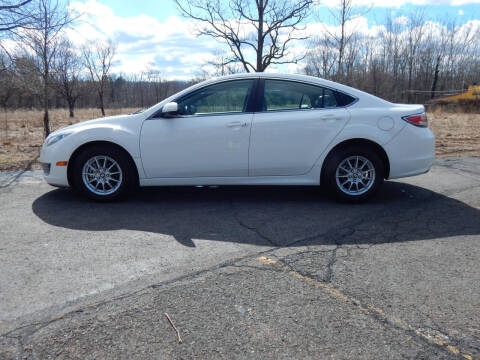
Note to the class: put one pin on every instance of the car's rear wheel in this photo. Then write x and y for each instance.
(354, 173)
(102, 173)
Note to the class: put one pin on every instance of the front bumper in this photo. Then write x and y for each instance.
(46, 168)
(53, 174)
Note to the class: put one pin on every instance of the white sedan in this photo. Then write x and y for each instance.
(246, 129)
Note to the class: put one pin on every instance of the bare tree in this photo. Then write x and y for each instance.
(41, 40)
(343, 15)
(8, 88)
(437, 44)
(222, 65)
(264, 27)
(321, 60)
(416, 23)
(67, 68)
(392, 49)
(139, 87)
(15, 14)
(98, 58)
(29, 81)
(160, 86)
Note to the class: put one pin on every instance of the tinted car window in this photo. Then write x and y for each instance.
(228, 97)
(344, 99)
(289, 95)
(329, 99)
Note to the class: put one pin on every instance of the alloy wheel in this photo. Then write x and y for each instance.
(102, 175)
(355, 175)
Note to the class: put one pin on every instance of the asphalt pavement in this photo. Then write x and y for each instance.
(243, 272)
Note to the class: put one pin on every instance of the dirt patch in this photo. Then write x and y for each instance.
(457, 134)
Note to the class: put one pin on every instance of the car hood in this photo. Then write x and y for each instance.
(100, 122)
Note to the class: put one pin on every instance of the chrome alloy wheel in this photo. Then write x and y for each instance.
(102, 175)
(355, 175)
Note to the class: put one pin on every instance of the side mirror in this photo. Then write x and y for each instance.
(169, 109)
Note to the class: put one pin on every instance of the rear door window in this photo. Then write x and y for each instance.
(292, 95)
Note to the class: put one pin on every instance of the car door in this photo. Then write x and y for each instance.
(208, 137)
(295, 125)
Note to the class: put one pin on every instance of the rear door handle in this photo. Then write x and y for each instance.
(330, 117)
(237, 124)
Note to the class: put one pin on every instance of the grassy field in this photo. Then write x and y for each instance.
(457, 134)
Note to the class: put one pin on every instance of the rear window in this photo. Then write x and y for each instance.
(344, 99)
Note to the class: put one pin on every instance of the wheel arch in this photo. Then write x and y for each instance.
(360, 142)
(86, 145)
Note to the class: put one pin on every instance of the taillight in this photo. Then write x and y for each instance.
(417, 119)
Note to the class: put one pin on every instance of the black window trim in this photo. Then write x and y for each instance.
(262, 98)
(251, 100)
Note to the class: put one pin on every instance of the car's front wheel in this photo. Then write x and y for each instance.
(354, 173)
(102, 173)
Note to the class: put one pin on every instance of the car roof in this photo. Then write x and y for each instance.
(368, 99)
(270, 75)
(291, 77)
(303, 78)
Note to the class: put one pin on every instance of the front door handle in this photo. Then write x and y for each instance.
(237, 124)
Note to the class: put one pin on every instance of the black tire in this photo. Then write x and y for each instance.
(329, 174)
(127, 179)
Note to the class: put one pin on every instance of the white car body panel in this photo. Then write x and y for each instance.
(410, 153)
(273, 148)
(282, 146)
(214, 145)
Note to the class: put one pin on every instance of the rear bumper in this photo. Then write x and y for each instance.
(411, 152)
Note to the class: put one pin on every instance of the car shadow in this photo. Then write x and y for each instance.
(280, 216)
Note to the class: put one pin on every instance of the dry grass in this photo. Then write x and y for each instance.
(457, 134)
(21, 147)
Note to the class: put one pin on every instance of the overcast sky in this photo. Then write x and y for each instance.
(151, 34)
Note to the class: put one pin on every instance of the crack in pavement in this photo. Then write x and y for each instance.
(442, 341)
(29, 329)
(434, 332)
(245, 226)
(331, 263)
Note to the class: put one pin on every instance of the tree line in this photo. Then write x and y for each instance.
(72, 86)
(410, 59)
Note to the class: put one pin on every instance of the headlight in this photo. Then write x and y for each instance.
(55, 138)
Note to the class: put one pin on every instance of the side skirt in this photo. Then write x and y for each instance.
(258, 180)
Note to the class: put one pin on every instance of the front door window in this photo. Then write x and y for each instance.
(223, 98)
